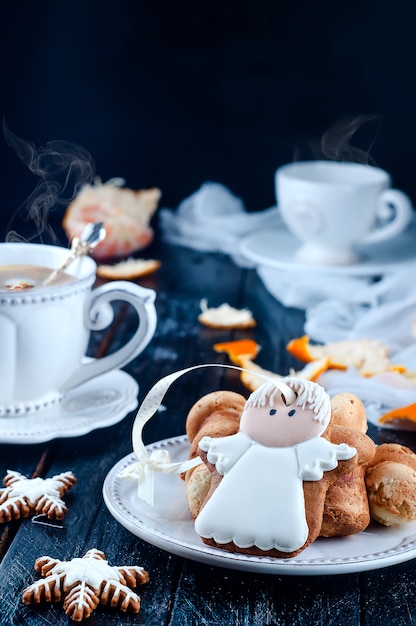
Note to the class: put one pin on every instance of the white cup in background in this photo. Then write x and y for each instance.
(332, 207)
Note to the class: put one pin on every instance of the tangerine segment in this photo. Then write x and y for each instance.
(125, 213)
(131, 268)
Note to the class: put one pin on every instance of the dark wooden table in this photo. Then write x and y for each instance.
(182, 592)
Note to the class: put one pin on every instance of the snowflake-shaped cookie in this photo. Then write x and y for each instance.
(23, 496)
(84, 583)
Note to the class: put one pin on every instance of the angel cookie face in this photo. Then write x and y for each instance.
(270, 420)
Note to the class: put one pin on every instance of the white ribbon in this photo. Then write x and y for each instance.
(159, 461)
(143, 471)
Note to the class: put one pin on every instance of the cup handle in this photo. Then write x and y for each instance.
(98, 314)
(391, 200)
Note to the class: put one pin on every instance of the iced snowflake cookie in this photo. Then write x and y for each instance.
(23, 497)
(84, 583)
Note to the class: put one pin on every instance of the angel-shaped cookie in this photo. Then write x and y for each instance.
(256, 498)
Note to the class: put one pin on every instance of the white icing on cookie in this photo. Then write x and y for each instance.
(260, 501)
(307, 393)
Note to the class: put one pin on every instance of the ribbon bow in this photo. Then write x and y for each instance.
(143, 471)
(144, 468)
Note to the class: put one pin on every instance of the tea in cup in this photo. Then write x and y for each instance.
(45, 330)
(333, 207)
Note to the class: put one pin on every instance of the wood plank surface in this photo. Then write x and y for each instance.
(182, 592)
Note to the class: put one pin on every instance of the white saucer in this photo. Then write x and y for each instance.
(98, 403)
(168, 525)
(277, 249)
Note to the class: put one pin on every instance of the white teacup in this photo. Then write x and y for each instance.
(45, 331)
(332, 207)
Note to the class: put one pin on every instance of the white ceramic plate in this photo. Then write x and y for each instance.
(167, 525)
(277, 249)
(98, 403)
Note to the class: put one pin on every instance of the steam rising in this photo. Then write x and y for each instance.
(62, 168)
(336, 141)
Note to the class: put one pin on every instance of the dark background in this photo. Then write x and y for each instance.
(176, 94)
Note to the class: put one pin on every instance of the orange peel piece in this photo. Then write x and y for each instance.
(313, 370)
(368, 356)
(238, 350)
(407, 412)
(252, 381)
(131, 268)
(241, 352)
(301, 349)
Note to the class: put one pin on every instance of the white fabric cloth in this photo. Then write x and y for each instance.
(337, 307)
(213, 220)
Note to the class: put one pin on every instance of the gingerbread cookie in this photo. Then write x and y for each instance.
(84, 583)
(335, 505)
(256, 503)
(23, 497)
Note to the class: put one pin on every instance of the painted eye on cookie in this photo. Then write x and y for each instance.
(272, 412)
(291, 413)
